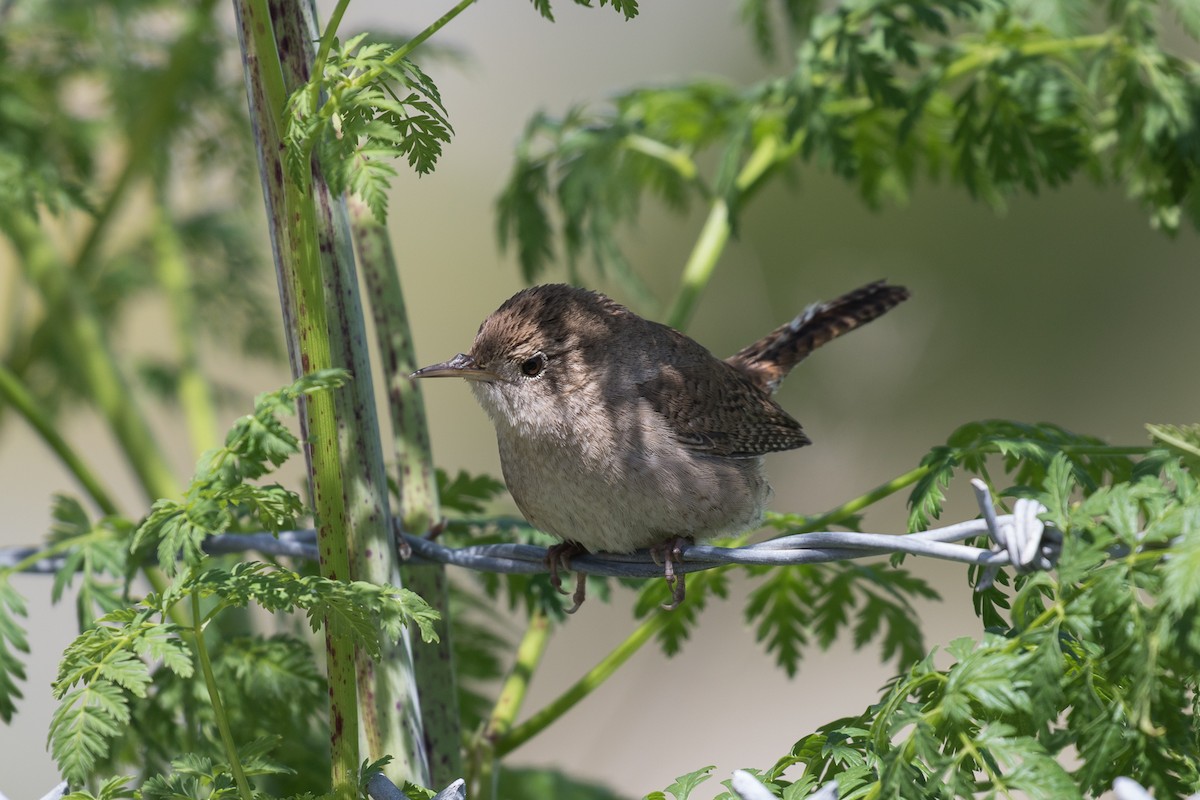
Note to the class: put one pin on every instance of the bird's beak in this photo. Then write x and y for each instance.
(461, 366)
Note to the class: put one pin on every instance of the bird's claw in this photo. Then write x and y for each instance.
(671, 553)
(558, 558)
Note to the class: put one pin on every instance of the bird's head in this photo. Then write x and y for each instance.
(534, 356)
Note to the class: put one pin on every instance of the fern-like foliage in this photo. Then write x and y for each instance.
(363, 608)
(219, 497)
(13, 642)
(368, 107)
(99, 671)
(127, 685)
(794, 604)
(593, 168)
(108, 666)
(95, 554)
(1098, 659)
(677, 624)
(1026, 452)
(765, 20)
(882, 93)
(627, 8)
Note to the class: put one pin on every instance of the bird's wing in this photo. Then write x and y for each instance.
(712, 407)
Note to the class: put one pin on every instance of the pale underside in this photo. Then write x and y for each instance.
(589, 490)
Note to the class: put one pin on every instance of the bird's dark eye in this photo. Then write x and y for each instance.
(534, 365)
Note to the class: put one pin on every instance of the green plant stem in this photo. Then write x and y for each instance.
(291, 214)
(678, 159)
(148, 131)
(388, 707)
(413, 43)
(261, 56)
(195, 394)
(581, 688)
(328, 37)
(718, 226)
(983, 55)
(852, 507)
(13, 391)
(483, 774)
(512, 694)
(214, 696)
(93, 357)
(701, 263)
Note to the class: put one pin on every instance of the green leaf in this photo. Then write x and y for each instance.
(363, 608)
(782, 604)
(218, 498)
(84, 724)
(111, 789)
(683, 786)
(97, 557)
(467, 493)
(1183, 440)
(378, 108)
(12, 641)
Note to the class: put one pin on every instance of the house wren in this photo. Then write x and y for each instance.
(618, 433)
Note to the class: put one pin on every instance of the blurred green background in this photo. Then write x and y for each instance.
(1055, 310)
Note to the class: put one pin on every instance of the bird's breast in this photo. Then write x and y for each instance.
(612, 477)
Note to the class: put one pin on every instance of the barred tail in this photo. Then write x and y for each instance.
(768, 361)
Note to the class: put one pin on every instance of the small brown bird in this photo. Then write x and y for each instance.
(618, 433)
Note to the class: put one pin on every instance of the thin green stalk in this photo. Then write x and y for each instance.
(698, 270)
(512, 694)
(13, 391)
(214, 696)
(483, 759)
(852, 507)
(413, 43)
(195, 394)
(985, 54)
(260, 54)
(582, 688)
(329, 37)
(679, 160)
(387, 704)
(291, 214)
(701, 263)
(93, 357)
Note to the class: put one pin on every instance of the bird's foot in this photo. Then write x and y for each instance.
(558, 557)
(437, 529)
(668, 554)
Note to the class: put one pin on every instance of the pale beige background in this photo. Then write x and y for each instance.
(1056, 311)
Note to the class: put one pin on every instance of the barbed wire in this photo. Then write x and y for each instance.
(1019, 539)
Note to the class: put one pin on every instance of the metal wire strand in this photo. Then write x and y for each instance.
(1020, 539)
